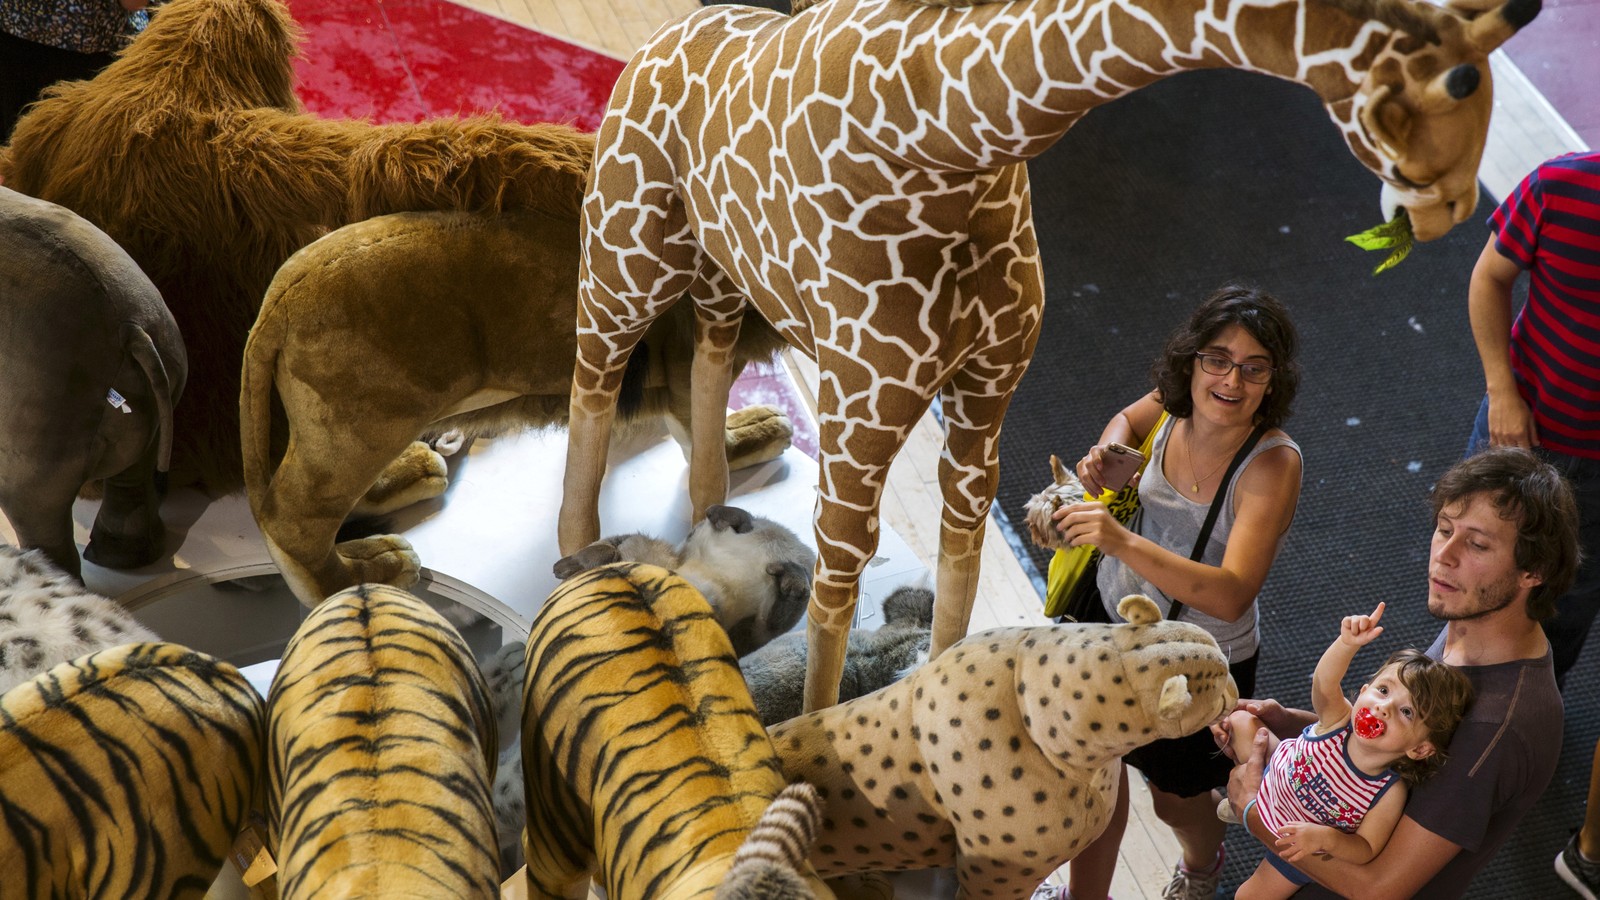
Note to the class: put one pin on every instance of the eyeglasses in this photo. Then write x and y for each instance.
(1255, 373)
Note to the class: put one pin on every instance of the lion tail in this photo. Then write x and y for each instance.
(255, 400)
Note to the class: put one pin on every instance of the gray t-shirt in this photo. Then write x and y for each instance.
(1172, 520)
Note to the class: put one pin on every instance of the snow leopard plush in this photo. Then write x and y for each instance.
(47, 618)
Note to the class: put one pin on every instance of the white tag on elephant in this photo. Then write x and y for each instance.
(117, 400)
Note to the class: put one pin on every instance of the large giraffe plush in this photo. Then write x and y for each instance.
(856, 170)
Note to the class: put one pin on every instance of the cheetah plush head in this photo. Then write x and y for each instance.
(1094, 692)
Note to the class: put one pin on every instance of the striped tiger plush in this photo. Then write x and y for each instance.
(126, 773)
(381, 748)
(646, 766)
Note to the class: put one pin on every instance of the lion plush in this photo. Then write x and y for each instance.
(191, 152)
(1000, 756)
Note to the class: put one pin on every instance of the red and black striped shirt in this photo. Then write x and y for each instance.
(1550, 226)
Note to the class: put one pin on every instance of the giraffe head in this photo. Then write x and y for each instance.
(1421, 113)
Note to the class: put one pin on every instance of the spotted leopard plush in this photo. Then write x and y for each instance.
(1000, 756)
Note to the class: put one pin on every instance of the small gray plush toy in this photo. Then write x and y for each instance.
(755, 572)
(873, 659)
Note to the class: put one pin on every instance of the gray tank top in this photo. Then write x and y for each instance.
(1173, 521)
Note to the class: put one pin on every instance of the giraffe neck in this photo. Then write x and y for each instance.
(1009, 78)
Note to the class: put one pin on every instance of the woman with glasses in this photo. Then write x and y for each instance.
(1229, 370)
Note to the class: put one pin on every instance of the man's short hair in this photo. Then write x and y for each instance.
(1529, 491)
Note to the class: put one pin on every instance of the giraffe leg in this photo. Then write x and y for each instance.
(618, 297)
(719, 308)
(1009, 288)
(974, 404)
(854, 453)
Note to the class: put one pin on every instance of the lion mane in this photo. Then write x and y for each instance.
(192, 152)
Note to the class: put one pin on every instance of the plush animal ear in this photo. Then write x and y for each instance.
(722, 517)
(1386, 121)
(597, 554)
(1175, 696)
(1490, 29)
(1139, 609)
(1057, 470)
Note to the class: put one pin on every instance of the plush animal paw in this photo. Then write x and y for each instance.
(418, 474)
(385, 559)
(757, 434)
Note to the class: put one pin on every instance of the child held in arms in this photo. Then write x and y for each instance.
(1339, 789)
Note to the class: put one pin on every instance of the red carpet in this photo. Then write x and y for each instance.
(406, 60)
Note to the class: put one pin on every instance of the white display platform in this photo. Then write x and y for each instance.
(488, 543)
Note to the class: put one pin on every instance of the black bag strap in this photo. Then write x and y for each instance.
(1216, 505)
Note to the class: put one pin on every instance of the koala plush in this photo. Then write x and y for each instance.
(1000, 756)
(755, 573)
(776, 673)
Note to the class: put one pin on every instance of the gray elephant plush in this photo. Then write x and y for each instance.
(91, 364)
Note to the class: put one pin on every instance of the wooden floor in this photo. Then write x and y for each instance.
(1524, 132)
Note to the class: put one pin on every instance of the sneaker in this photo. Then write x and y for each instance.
(1191, 885)
(1225, 812)
(1048, 891)
(1579, 873)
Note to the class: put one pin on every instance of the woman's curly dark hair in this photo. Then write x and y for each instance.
(1258, 313)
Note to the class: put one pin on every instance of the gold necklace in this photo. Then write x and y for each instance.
(1188, 448)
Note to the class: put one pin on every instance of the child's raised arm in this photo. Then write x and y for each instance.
(1327, 696)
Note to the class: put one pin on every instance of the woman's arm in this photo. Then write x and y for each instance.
(1264, 503)
(1300, 840)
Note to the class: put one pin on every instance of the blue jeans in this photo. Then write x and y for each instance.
(1575, 610)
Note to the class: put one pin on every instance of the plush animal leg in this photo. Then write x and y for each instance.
(419, 474)
(128, 532)
(716, 329)
(855, 456)
(300, 512)
(617, 301)
(969, 472)
(40, 511)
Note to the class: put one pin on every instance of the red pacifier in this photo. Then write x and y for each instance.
(1368, 726)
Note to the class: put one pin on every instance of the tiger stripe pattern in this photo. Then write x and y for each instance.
(126, 774)
(381, 747)
(646, 765)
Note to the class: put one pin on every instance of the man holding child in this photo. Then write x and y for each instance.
(1504, 548)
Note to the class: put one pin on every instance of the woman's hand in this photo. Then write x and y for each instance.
(1091, 472)
(1091, 523)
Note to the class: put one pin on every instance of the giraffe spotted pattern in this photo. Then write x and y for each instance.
(855, 173)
